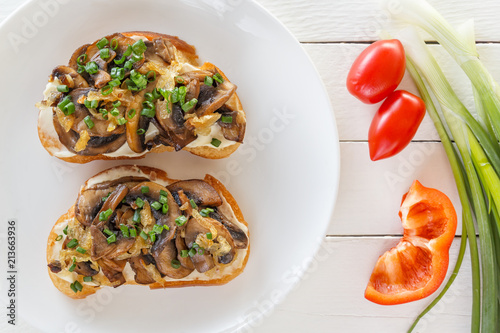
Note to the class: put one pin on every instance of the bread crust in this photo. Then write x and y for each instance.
(154, 175)
(189, 51)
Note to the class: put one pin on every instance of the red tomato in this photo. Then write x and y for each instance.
(417, 266)
(395, 124)
(377, 71)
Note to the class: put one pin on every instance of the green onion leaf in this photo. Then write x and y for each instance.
(181, 220)
(206, 211)
(175, 263)
(81, 59)
(193, 204)
(65, 230)
(227, 119)
(151, 76)
(106, 197)
(133, 232)
(163, 199)
(141, 131)
(189, 105)
(125, 231)
(121, 121)
(217, 77)
(184, 253)
(156, 205)
(208, 80)
(131, 113)
(72, 243)
(143, 235)
(192, 252)
(139, 47)
(115, 112)
(139, 202)
(148, 96)
(144, 189)
(78, 286)
(150, 113)
(209, 235)
(103, 216)
(117, 73)
(107, 232)
(152, 236)
(81, 250)
(70, 109)
(166, 227)
(87, 279)
(111, 239)
(62, 88)
(102, 43)
(137, 216)
(215, 142)
(106, 90)
(157, 229)
(114, 44)
(104, 54)
(59, 237)
(88, 122)
(91, 67)
(164, 209)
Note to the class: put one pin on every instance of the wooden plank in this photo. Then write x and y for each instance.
(333, 62)
(370, 192)
(361, 20)
(329, 298)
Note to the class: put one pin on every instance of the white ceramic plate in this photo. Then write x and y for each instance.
(284, 177)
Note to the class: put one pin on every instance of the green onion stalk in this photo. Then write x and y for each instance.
(474, 160)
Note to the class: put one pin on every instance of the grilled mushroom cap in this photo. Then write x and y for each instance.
(200, 191)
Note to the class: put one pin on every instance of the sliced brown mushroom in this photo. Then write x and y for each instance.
(68, 76)
(234, 130)
(100, 247)
(113, 269)
(200, 191)
(202, 262)
(180, 244)
(239, 237)
(55, 267)
(73, 62)
(164, 262)
(114, 199)
(164, 48)
(142, 275)
(84, 268)
(213, 98)
(122, 246)
(171, 125)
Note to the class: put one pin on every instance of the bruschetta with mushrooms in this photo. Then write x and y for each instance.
(131, 93)
(134, 225)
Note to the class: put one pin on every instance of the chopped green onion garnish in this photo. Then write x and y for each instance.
(192, 252)
(106, 197)
(72, 286)
(148, 96)
(156, 94)
(152, 236)
(117, 104)
(73, 265)
(166, 227)
(184, 253)
(114, 83)
(91, 67)
(81, 250)
(111, 239)
(181, 220)
(144, 189)
(156, 205)
(133, 232)
(117, 73)
(137, 216)
(107, 232)
(150, 113)
(78, 286)
(139, 79)
(141, 131)
(72, 243)
(65, 230)
(215, 142)
(114, 44)
(128, 65)
(106, 90)
(157, 229)
(70, 109)
(164, 193)
(164, 209)
(217, 77)
(208, 80)
(139, 47)
(189, 105)
(62, 104)
(121, 60)
(87, 279)
(91, 104)
(115, 112)
(206, 211)
(201, 251)
(121, 121)
(180, 80)
(104, 54)
(143, 235)
(149, 77)
(62, 88)
(88, 122)
(209, 235)
(81, 59)
(102, 43)
(227, 119)
(193, 204)
(125, 231)
(59, 237)
(175, 263)
(163, 198)
(131, 113)
(135, 58)
(103, 216)
(104, 113)
(139, 202)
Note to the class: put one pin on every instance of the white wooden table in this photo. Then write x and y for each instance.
(329, 297)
